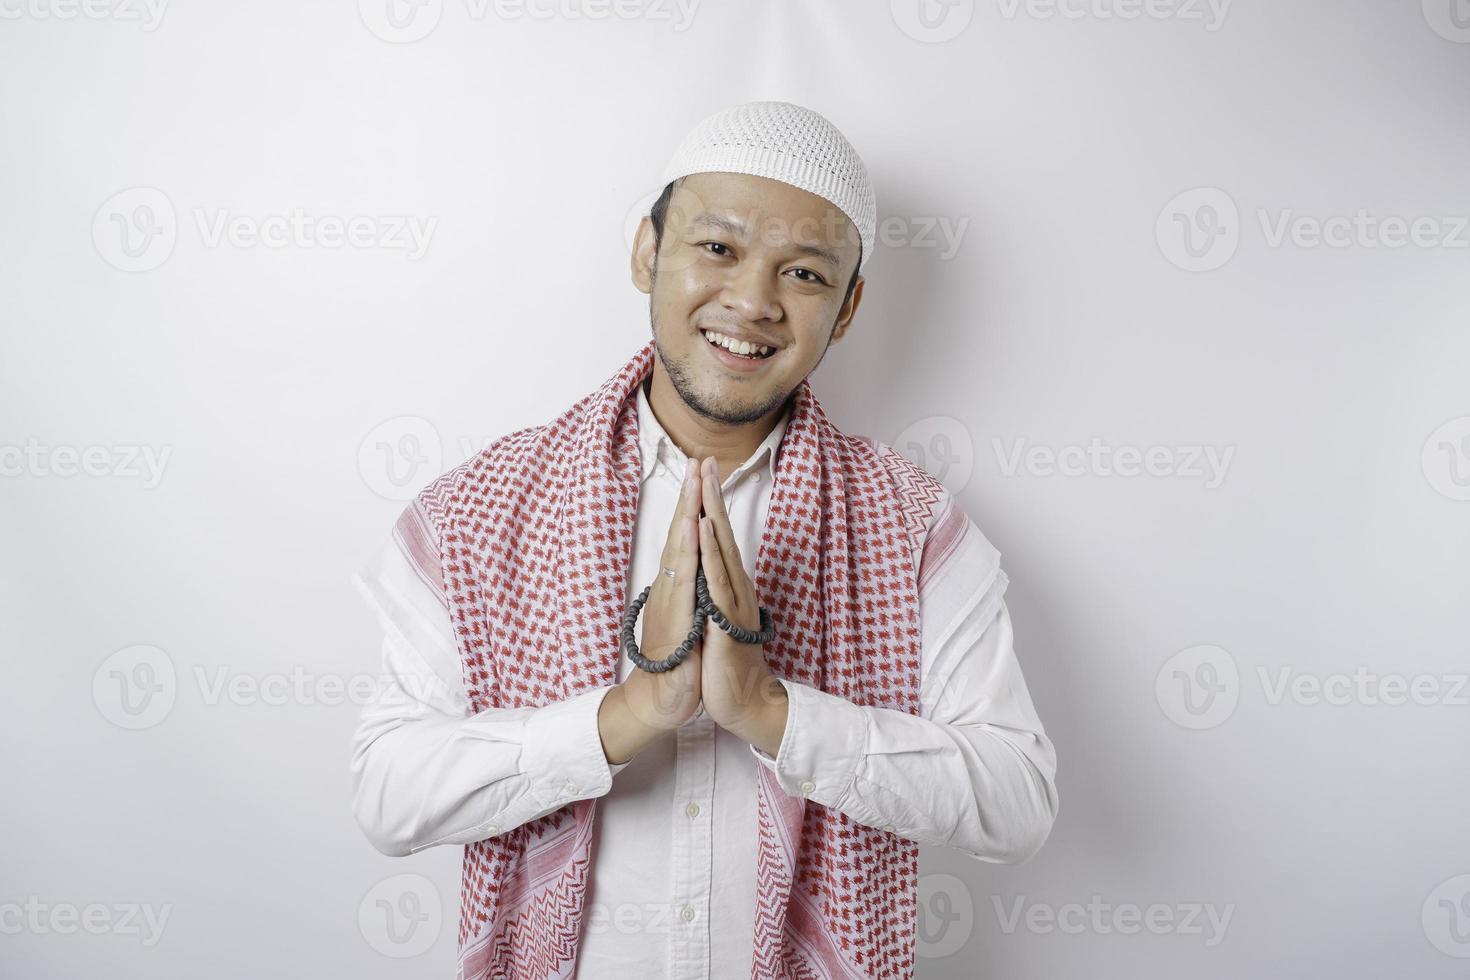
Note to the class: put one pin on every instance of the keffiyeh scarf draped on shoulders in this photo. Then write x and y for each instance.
(530, 543)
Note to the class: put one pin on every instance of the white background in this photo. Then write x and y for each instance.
(1054, 143)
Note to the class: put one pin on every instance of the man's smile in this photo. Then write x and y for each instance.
(738, 355)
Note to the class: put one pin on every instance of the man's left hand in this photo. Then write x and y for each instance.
(740, 692)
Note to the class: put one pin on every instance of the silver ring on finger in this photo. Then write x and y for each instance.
(670, 572)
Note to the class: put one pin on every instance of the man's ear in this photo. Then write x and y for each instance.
(848, 311)
(644, 256)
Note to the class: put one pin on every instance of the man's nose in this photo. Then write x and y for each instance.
(751, 292)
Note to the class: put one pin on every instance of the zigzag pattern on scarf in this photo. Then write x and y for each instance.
(541, 941)
(918, 492)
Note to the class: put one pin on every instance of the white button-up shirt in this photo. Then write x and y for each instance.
(974, 771)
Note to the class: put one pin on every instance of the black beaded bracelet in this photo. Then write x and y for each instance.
(704, 605)
(740, 633)
(630, 641)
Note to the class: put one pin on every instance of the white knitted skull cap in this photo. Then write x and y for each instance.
(785, 142)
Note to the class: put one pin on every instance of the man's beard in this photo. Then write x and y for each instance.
(683, 380)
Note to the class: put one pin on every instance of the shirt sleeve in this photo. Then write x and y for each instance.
(974, 770)
(425, 770)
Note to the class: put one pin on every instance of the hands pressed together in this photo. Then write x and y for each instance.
(738, 690)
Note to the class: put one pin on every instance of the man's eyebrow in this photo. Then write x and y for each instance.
(734, 226)
(819, 252)
(731, 226)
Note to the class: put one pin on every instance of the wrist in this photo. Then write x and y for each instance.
(624, 734)
(766, 726)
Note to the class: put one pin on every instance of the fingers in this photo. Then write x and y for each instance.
(667, 614)
(716, 576)
(714, 506)
(688, 557)
(722, 535)
(681, 547)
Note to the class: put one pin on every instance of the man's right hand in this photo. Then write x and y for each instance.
(647, 705)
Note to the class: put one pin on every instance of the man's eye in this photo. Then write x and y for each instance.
(815, 277)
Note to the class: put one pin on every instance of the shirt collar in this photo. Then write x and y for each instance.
(654, 445)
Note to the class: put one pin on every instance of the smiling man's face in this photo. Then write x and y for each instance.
(755, 259)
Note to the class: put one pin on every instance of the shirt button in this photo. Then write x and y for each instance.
(688, 913)
(807, 785)
(888, 827)
(692, 809)
(755, 478)
(571, 787)
(493, 829)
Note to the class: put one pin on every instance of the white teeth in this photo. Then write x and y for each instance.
(737, 346)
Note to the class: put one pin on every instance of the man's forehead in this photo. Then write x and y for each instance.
(749, 206)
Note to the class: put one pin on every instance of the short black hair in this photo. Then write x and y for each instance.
(660, 207)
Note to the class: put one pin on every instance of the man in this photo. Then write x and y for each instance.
(755, 809)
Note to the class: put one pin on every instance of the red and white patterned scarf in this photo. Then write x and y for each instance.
(533, 542)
